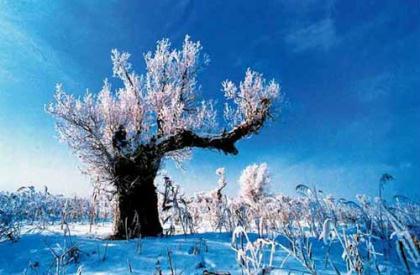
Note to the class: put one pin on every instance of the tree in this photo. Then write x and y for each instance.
(254, 182)
(122, 137)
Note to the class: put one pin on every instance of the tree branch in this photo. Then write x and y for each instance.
(224, 142)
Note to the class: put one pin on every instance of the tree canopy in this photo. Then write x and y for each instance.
(158, 112)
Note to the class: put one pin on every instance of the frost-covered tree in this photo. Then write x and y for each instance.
(221, 184)
(254, 182)
(123, 135)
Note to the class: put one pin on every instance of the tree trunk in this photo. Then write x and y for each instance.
(136, 203)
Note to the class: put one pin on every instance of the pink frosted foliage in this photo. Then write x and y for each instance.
(153, 106)
(254, 182)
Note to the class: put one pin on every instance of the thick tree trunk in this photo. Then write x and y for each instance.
(136, 203)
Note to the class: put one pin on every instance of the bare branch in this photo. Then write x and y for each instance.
(224, 142)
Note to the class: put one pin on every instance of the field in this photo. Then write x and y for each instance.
(210, 233)
(116, 115)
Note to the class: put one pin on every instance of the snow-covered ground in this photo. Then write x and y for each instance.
(190, 254)
(101, 256)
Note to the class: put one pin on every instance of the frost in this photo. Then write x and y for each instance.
(162, 102)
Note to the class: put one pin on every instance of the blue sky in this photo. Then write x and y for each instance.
(349, 70)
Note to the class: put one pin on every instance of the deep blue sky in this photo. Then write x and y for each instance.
(349, 69)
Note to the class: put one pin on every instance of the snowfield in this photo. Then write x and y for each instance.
(211, 233)
(189, 254)
(32, 254)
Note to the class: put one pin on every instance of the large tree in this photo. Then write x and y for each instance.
(123, 135)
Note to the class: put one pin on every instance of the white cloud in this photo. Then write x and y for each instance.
(320, 35)
(374, 87)
(24, 53)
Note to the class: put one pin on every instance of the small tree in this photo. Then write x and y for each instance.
(122, 137)
(254, 182)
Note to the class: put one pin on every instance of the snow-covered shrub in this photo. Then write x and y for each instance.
(406, 248)
(27, 206)
(218, 205)
(209, 210)
(295, 226)
(10, 221)
(250, 254)
(254, 182)
(174, 209)
(66, 253)
(253, 193)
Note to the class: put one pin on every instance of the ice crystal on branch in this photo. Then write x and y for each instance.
(251, 97)
(254, 182)
(158, 109)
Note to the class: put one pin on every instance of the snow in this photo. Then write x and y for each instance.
(43, 233)
(33, 247)
(32, 253)
(156, 105)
